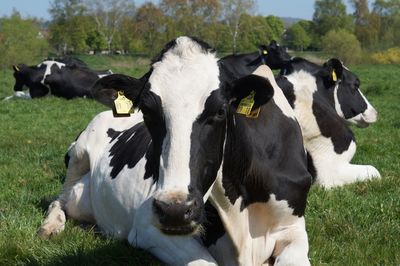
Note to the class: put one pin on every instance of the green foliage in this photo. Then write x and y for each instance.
(331, 15)
(297, 37)
(343, 45)
(21, 41)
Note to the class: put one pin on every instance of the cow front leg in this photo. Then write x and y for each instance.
(74, 197)
(291, 246)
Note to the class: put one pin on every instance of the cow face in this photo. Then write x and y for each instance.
(184, 107)
(31, 78)
(349, 101)
(274, 55)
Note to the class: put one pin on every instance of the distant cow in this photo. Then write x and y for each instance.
(240, 65)
(144, 178)
(324, 98)
(68, 80)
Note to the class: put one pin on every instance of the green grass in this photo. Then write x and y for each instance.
(357, 224)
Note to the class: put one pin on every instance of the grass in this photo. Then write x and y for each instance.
(358, 224)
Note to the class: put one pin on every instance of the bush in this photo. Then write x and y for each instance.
(390, 56)
(21, 41)
(343, 45)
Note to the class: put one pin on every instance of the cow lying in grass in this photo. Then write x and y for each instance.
(325, 99)
(144, 178)
(67, 78)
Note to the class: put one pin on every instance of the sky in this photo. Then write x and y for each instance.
(303, 9)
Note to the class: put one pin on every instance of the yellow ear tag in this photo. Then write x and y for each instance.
(16, 68)
(265, 52)
(334, 78)
(246, 104)
(254, 113)
(122, 104)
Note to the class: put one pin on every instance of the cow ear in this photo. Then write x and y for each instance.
(263, 50)
(335, 68)
(107, 89)
(252, 85)
(17, 68)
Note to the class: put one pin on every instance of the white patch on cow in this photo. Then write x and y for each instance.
(369, 116)
(304, 85)
(47, 72)
(184, 79)
(266, 229)
(102, 75)
(279, 98)
(338, 107)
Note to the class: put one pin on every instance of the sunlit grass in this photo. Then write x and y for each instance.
(357, 224)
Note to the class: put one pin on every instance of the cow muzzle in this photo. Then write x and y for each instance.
(178, 214)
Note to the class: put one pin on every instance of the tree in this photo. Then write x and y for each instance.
(331, 15)
(148, 23)
(276, 28)
(65, 29)
(21, 41)
(297, 37)
(366, 24)
(343, 45)
(232, 10)
(388, 13)
(108, 15)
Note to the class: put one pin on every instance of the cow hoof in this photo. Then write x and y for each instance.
(46, 231)
(373, 172)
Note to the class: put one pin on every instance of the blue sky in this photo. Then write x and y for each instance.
(294, 8)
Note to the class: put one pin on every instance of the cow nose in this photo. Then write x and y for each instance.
(176, 213)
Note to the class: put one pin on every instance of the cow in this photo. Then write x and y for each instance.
(144, 178)
(240, 65)
(67, 80)
(325, 100)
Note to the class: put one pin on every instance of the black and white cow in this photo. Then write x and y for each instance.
(56, 78)
(325, 99)
(240, 65)
(144, 177)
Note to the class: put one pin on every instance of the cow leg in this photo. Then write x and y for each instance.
(291, 246)
(172, 250)
(346, 173)
(74, 197)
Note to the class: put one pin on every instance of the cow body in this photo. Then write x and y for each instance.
(65, 78)
(114, 179)
(325, 99)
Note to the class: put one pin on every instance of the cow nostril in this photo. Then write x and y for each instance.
(188, 214)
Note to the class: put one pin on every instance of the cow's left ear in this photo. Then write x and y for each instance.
(335, 69)
(263, 50)
(254, 88)
(107, 89)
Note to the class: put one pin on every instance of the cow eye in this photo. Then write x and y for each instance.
(221, 112)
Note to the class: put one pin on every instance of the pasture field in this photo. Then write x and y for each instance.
(357, 224)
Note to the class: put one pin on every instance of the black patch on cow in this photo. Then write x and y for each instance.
(287, 88)
(263, 156)
(213, 226)
(206, 145)
(311, 167)
(130, 146)
(242, 64)
(331, 125)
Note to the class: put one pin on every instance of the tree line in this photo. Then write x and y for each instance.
(119, 26)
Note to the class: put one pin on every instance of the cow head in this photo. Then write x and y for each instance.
(348, 100)
(30, 76)
(184, 104)
(274, 55)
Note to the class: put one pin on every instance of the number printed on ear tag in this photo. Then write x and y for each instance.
(246, 104)
(122, 104)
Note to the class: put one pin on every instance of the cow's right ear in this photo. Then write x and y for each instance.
(107, 89)
(17, 68)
